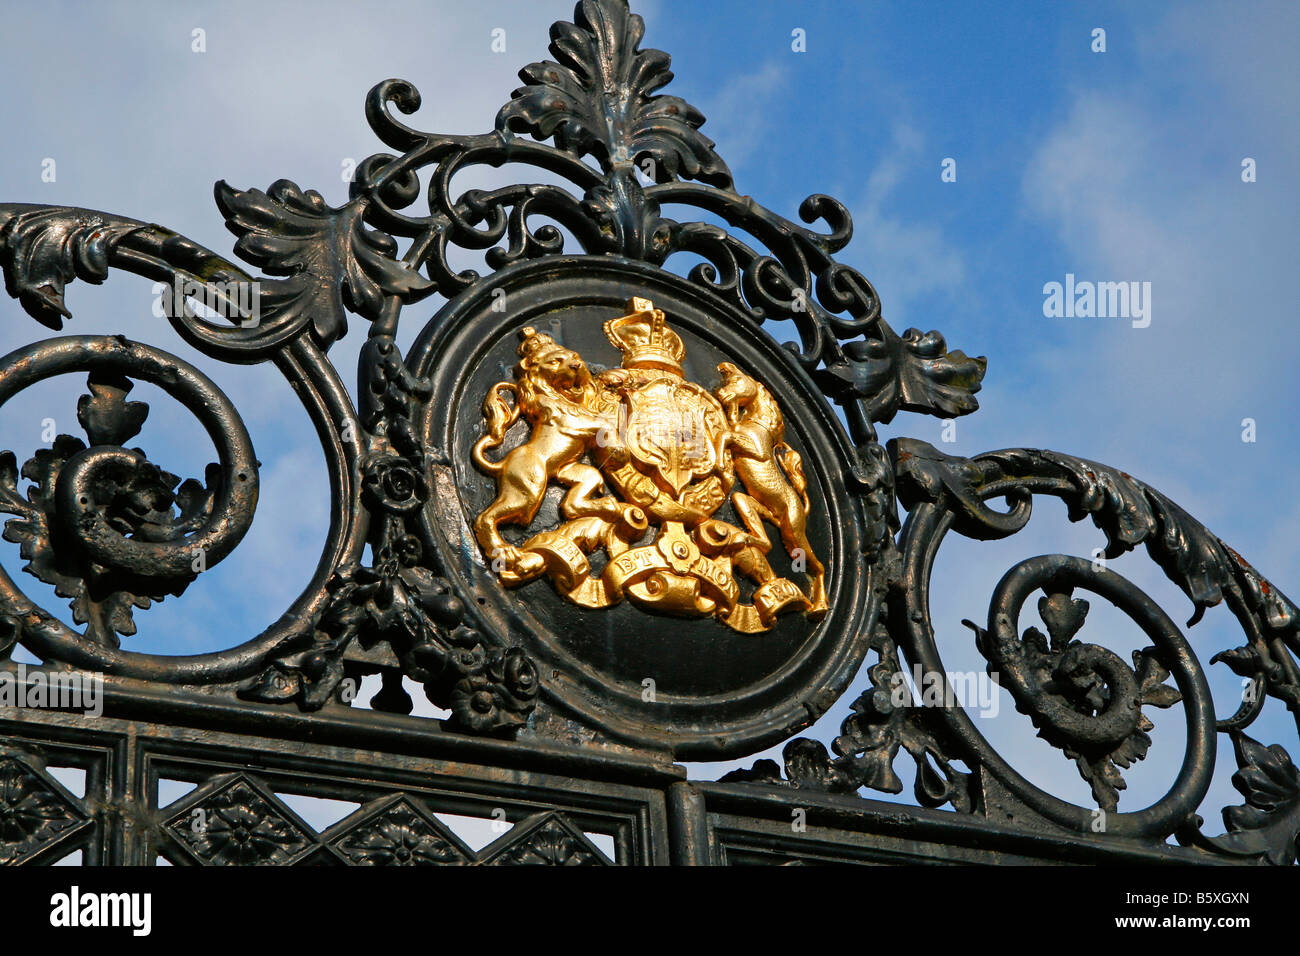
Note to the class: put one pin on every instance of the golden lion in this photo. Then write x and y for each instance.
(555, 392)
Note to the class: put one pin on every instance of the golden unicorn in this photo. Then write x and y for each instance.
(764, 462)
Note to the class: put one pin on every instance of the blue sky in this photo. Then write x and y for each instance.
(1115, 166)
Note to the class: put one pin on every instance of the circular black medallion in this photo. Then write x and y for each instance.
(637, 486)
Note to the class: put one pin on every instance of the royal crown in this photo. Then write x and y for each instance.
(644, 338)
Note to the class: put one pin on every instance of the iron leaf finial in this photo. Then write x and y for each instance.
(597, 99)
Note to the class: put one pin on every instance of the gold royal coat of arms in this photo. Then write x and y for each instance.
(670, 451)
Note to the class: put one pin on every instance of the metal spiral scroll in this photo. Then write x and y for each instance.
(78, 513)
(1056, 696)
(116, 566)
(1083, 698)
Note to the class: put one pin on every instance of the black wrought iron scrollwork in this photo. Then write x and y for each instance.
(597, 100)
(99, 525)
(104, 525)
(1129, 513)
(885, 719)
(600, 98)
(1082, 698)
(332, 263)
(398, 601)
(113, 531)
(1267, 825)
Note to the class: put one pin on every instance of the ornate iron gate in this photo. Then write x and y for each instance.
(586, 463)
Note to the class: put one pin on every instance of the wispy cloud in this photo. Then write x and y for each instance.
(738, 116)
(905, 257)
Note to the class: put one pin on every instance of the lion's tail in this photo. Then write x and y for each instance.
(792, 465)
(500, 416)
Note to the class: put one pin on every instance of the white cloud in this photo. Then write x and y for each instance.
(1133, 189)
(737, 115)
(905, 258)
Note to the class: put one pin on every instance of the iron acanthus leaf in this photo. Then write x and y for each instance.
(332, 261)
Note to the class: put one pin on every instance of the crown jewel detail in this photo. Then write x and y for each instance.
(644, 338)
